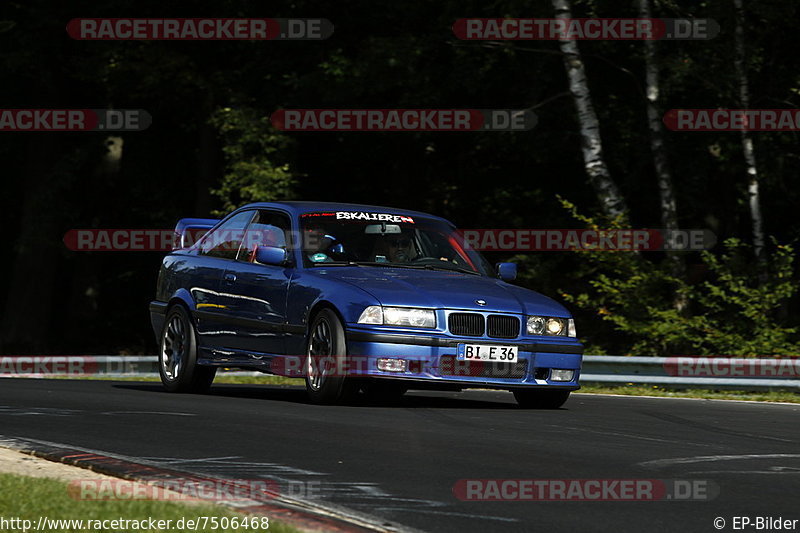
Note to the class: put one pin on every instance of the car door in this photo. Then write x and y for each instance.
(255, 294)
(215, 252)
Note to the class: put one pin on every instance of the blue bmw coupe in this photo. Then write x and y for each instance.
(355, 299)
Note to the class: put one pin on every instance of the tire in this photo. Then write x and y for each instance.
(384, 390)
(177, 362)
(326, 352)
(541, 399)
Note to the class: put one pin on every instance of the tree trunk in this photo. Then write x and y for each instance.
(669, 210)
(669, 214)
(599, 177)
(754, 199)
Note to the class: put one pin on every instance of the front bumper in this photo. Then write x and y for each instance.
(432, 359)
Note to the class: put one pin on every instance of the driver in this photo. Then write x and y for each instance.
(399, 248)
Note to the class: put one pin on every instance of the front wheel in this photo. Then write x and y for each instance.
(177, 362)
(541, 399)
(326, 355)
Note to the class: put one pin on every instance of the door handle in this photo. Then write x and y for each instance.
(230, 277)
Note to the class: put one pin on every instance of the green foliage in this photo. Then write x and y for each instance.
(253, 151)
(735, 309)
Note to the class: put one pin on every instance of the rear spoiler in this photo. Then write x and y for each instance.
(190, 230)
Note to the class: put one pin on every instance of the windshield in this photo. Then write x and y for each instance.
(385, 239)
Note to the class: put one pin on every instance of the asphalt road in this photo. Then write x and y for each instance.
(400, 463)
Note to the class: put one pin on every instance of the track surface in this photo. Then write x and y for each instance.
(400, 463)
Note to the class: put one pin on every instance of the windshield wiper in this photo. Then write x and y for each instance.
(367, 263)
(335, 263)
(453, 268)
(450, 267)
(387, 264)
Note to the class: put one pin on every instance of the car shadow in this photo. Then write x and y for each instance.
(293, 394)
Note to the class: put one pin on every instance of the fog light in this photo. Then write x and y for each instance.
(558, 374)
(392, 365)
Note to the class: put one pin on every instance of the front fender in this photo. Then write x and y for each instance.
(309, 291)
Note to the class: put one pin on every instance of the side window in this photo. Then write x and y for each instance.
(225, 241)
(269, 228)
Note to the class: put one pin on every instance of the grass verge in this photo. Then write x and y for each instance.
(653, 390)
(27, 498)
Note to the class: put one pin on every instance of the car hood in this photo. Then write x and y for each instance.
(446, 290)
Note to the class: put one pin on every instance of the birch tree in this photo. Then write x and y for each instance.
(753, 195)
(666, 191)
(613, 204)
(669, 210)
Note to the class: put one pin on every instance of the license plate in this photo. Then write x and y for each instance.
(487, 352)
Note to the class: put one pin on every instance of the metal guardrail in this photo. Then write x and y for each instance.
(673, 372)
(693, 372)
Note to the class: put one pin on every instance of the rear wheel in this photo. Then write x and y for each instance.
(177, 363)
(326, 356)
(541, 399)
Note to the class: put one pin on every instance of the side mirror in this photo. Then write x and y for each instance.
(507, 271)
(271, 255)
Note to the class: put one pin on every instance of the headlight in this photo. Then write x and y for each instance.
(398, 316)
(555, 326)
(552, 326)
(535, 325)
(402, 316)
